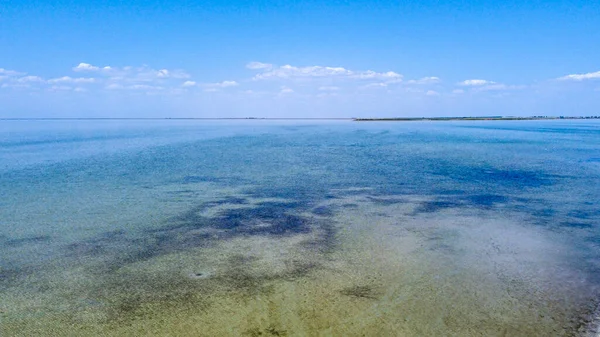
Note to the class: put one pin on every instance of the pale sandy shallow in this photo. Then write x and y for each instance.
(381, 271)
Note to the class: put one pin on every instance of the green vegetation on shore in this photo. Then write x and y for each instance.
(482, 118)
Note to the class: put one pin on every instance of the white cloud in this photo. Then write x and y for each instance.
(581, 77)
(286, 90)
(475, 83)
(163, 73)
(329, 88)
(133, 74)
(68, 79)
(114, 86)
(30, 79)
(60, 88)
(425, 80)
(374, 85)
(85, 67)
(499, 87)
(188, 84)
(7, 72)
(144, 87)
(293, 72)
(369, 74)
(117, 86)
(15, 85)
(458, 91)
(224, 84)
(258, 65)
(432, 93)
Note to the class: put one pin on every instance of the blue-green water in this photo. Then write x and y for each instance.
(222, 228)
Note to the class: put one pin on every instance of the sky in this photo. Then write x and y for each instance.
(263, 58)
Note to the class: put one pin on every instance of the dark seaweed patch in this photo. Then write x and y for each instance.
(486, 200)
(18, 242)
(479, 201)
(201, 179)
(9, 273)
(323, 210)
(269, 331)
(192, 230)
(544, 213)
(357, 291)
(584, 214)
(435, 206)
(574, 224)
(99, 245)
(350, 205)
(493, 176)
(325, 241)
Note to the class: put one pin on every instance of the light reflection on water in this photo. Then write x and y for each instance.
(467, 228)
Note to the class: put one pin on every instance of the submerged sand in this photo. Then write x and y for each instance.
(365, 266)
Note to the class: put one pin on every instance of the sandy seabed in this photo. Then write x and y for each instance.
(365, 266)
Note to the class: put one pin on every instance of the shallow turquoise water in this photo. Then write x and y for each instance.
(80, 202)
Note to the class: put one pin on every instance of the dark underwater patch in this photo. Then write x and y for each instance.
(435, 206)
(201, 179)
(479, 201)
(192, 229)
(584, 214)
(361, 291)
(575, 224)
(486, 200)
(513, 178)
(324, 210)
(543, 213)
(18, 242)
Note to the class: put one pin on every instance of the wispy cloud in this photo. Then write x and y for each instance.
(225, 84)
(425, 80)
(213, 87)
(9, 73)
(499, 87)
(117, 86)
(286, 90)
(85, 67)
(188, 84)
(374, 85)
(30, 79)
(143, 73)
(258, 65)
(475, 82)
(432, 93)
(581, 77)
(68, 79)
(293, 72)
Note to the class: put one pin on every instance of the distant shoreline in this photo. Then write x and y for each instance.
(383, 119)
(483, 118)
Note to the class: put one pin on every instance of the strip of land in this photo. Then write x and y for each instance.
(482, 118)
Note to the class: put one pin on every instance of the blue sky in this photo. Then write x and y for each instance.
(298, 58)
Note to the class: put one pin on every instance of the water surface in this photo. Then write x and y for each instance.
(306, 228)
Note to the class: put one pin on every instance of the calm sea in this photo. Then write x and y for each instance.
(259, 228)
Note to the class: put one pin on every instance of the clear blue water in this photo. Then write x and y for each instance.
(107, 226)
